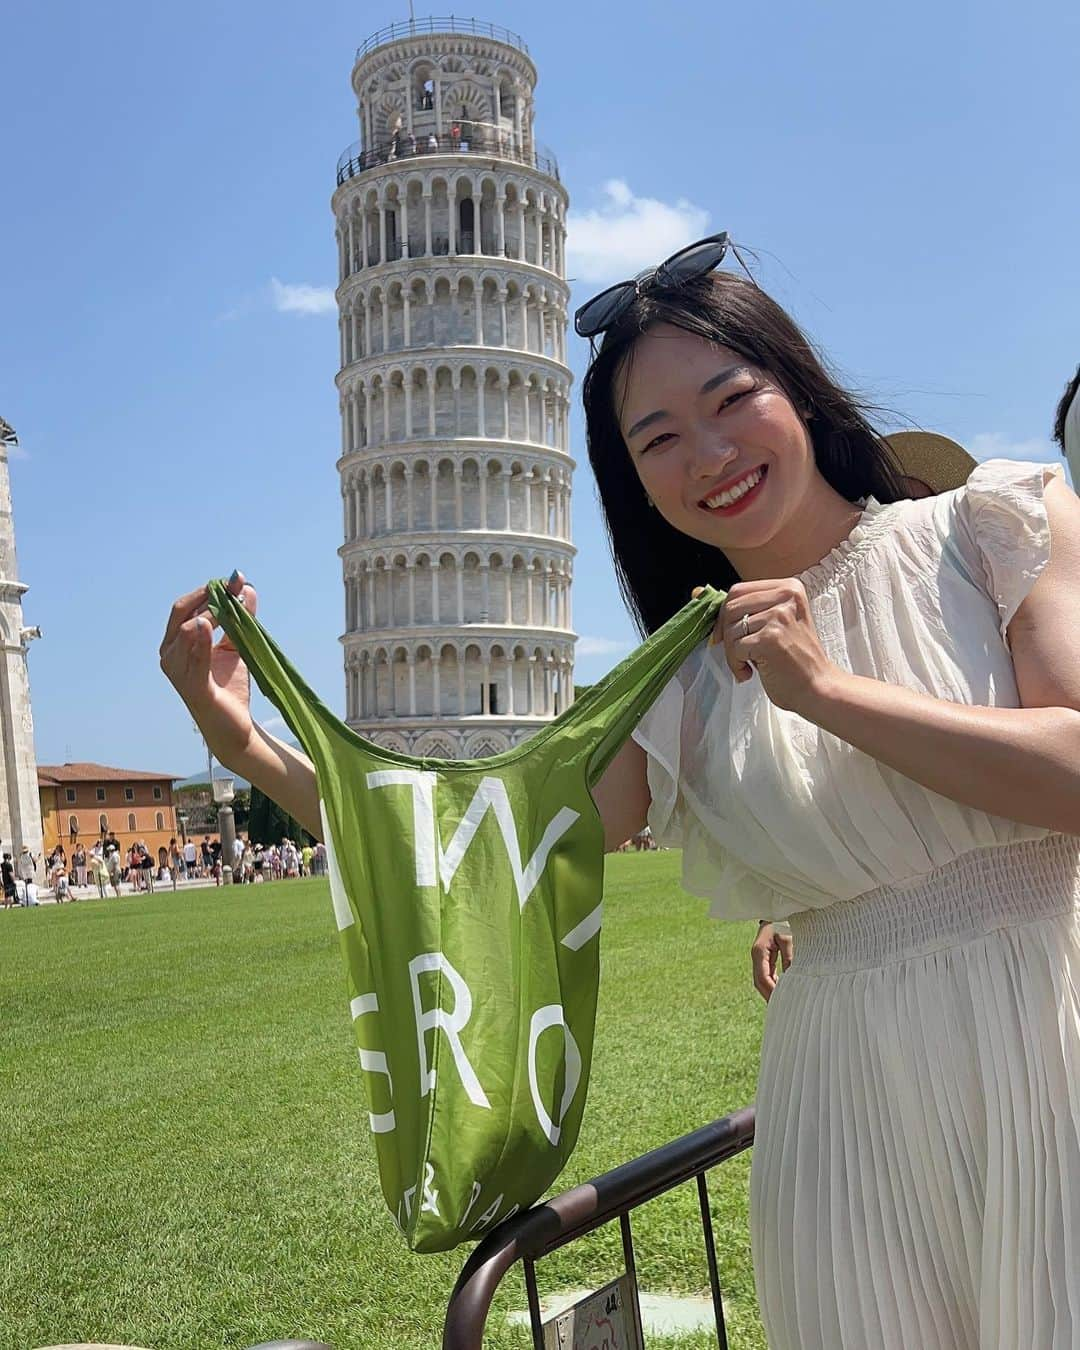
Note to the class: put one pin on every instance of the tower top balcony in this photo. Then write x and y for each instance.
(412, 28)
(482, 140)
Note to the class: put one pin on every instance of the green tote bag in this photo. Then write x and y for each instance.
(468, 898)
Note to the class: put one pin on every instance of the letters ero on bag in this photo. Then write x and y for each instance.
(468, 901)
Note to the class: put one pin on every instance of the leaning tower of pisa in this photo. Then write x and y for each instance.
(455, 464)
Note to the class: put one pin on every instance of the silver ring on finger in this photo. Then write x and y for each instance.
(746, 625)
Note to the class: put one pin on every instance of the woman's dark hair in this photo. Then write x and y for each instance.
(1063, 408)
(656, 564)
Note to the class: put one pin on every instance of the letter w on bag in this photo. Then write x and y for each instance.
(435, 864)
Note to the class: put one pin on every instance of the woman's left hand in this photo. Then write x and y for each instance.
(767, 626)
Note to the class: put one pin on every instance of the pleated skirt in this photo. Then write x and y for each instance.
(916, 1168)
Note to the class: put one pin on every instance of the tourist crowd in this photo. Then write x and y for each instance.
(106, 866)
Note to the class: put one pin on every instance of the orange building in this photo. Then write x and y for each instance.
(83, 802)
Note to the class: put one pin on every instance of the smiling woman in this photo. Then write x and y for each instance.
(882, 746)
(733, 377)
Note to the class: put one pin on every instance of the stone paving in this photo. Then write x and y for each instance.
(46, 897)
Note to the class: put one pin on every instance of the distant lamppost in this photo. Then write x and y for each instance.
(181, 820)
(224, 790)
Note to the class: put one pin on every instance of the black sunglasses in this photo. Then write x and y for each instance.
(695, 260)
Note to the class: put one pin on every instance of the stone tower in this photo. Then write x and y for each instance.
(455, 464)
(20, 806)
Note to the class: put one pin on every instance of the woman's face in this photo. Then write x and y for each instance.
(717, 444)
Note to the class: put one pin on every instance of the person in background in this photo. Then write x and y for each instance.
(7, 879)
(78, 863)
(115, 867)
(27, 870)
(60, 884)
(146, 863)
(131, 865)
(175, 861)
(191, 858)
(1067, 427)
(96, 867)
(290, 858)
(306, 854)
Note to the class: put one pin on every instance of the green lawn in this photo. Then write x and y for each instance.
(186, 1162)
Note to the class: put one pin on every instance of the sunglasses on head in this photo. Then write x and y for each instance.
(689, 263)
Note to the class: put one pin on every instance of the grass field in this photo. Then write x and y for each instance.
(186, 1162)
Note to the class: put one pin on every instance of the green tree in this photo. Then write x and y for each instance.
(269, 824)
(242, 809)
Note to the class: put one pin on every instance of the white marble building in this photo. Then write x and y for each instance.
(20, 807)
(455, 460)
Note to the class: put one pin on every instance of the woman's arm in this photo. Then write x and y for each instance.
(622, 796)
(284, 774)
(1020, 763)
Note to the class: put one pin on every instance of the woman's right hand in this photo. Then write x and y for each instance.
(768, 947)
(210, 677)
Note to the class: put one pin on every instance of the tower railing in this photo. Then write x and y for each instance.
(451, 24)
(481, 139)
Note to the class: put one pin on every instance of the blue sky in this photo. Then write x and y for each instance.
(909, 178)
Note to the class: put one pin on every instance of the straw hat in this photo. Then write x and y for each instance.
(942, 464)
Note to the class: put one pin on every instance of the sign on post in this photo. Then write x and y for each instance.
(606, 1320)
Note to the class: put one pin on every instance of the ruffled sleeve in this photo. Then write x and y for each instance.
(1002, 513)
(659, 733)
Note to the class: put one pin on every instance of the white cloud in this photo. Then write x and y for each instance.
(626, 234)
(301, 298)
(600, 646)
(996, 445)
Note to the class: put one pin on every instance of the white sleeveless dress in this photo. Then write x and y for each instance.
(916, 1171)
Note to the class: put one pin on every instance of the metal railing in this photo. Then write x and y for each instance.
(451, 24)
(483, 139)
(543, 1229)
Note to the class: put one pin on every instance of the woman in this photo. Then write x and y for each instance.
(78, 862)
(174, 862)
(7, 880)
(882, 746)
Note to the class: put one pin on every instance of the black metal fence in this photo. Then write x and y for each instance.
(537, 1232)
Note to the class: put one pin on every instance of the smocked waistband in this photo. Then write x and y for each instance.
(975, 894)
